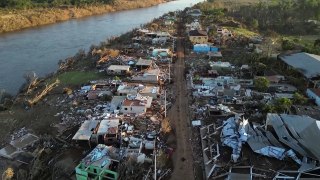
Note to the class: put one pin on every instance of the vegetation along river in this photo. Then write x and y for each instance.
(39, 49)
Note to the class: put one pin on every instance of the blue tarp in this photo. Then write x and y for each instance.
(214, 49)
(204, 48)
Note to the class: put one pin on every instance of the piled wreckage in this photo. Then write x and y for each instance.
(119, 117)
(237, 140)
(127, 127)
(283, 136)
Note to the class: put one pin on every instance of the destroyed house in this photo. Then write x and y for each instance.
(126, 89)
(100, 163)
(194, 25)
(107, 132)
(144, 63)
(116, 102)
(18, 146)
(165, 35)
(134, 89)
(151, 91)
(149, 76)
(300, 133)
(118, 69)
(136, 106)
(85, 131)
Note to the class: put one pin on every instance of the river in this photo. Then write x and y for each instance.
(39, 49)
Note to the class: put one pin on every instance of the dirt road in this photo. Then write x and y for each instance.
(183, 161)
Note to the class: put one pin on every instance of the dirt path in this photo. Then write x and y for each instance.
(183, 161)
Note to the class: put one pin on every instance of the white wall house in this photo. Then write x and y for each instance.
(136, 105)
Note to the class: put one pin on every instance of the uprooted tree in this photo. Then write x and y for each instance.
(31, 80)
(44, 92)
(8, 174)
(165, 126)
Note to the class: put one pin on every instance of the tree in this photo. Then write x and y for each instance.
(317, 43)
(287, 45)
(299, 99)
(31, 80)
(261, 84)
(283, 105)
(267, 108)
(255, 23)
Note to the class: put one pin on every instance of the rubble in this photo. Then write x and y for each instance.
(115, 123)
(223, 89)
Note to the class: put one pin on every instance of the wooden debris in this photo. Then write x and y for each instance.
(43, 93)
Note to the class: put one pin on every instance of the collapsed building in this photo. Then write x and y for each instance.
(283, 137)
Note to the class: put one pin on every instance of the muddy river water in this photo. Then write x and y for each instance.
(39, 49)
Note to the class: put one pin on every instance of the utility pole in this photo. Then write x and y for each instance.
(170, 70)
(165, 103)
(155, 160)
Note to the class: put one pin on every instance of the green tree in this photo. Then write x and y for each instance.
(283, 105)
(261, 84)
(287, 45)
(316, 43)
(255, 23)
(299, 99)
(268, 108)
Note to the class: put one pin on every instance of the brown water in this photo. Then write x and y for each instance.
(39, 49)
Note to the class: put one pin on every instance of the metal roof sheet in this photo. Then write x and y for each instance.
(305, 63)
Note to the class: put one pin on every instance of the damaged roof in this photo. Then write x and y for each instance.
(298, 132)
(86, 130)
(144, 62)
(197, 32)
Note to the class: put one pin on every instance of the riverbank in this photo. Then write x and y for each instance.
(57, 116)
(12, 20)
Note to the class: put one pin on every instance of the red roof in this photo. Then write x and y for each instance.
(315, 91)
(128, 102)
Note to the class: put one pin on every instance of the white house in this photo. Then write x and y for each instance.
(314, 94)
(136, 104)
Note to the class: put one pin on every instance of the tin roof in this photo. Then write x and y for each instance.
(305, 63)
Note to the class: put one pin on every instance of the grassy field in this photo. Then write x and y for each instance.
(242, 32)
(303, 40)
(78, 78)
